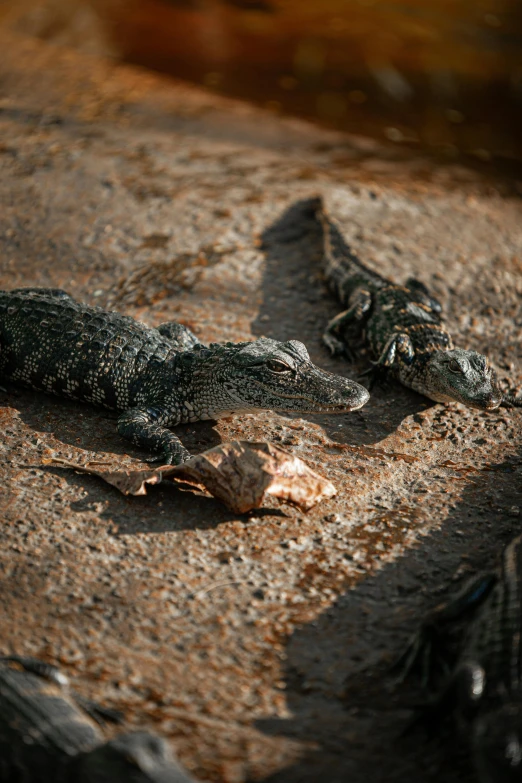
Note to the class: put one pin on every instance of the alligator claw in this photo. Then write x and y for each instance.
(169, 458)
(349, 355)
(376, 374)
(336, 346)
(425, 715)
(159, 458)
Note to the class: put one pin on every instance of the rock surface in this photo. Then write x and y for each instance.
(260, 644)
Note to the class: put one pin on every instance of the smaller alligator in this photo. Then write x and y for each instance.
(477, 640)
(157, 378)
(45, 736)
(403, 327)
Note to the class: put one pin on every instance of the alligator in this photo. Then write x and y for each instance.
(45, 735)
(402, 325)
(469, 651)
(156, 378)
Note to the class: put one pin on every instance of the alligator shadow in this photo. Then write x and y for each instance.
(296, 305)
(94, 429)
(61, 423)
(338, 682)
(166, 508)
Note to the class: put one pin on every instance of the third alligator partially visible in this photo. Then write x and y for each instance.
(403, 327)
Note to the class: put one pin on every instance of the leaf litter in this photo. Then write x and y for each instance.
(239, 474)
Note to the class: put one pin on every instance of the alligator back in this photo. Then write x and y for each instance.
(52, 343)
(41, 728)
(494, 637)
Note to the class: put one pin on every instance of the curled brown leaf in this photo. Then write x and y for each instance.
(240, 474)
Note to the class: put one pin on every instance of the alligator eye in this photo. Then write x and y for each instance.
(454, 366)
(276, 366)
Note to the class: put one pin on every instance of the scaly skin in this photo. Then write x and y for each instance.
(484, 687)
(65, 745)
(138, 757)
(403, 327)
(157, 378)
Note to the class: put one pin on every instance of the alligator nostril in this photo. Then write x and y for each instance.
(356, 397)
(359, 395)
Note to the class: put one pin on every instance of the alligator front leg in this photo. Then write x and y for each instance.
(463, 688)
(426, 651)
(353, 318)
(180, 336)
(143, 428)
(398, 349)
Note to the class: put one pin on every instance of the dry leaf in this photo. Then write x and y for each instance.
(240, 474)
(130, 482)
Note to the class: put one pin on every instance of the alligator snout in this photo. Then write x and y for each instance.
(488, 400)
(345, 395)
(355, 397)
(493, 401)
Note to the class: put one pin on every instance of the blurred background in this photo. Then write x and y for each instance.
(443, 75)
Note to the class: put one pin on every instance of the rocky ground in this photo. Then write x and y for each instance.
(260, 645)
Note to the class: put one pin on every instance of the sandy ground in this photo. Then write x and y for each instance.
(260, 645)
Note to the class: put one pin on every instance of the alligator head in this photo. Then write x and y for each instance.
(462, 376)
(266, 375)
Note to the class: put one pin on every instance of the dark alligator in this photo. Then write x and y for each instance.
(157, 377)
(46, 736)
(403, 328)
(470, 652)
